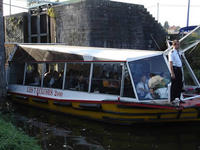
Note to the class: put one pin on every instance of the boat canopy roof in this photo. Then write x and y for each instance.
(61, 52)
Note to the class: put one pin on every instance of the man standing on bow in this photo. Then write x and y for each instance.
(176, 71)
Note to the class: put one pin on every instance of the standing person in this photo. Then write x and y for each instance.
(176, 71)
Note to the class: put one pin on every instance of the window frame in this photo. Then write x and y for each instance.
(122, 64)
(133, 83)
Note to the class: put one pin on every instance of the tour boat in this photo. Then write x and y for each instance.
(105, 83)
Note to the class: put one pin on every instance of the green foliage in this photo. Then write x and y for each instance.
(15, 21)
(192, 38)
(14, 29)
(166, 25)
(51, 12)
(193, 58)
(187, 78)
(12, 139)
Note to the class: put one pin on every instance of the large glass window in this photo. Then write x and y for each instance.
(151, 77)
(77, 76)
(53, 76)
(106, 78)
(193, 57)
(33, 74)
(190, 39)
(16, 75)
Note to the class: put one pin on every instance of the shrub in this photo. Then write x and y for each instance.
(13, 139)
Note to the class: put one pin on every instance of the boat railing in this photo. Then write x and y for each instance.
(190, 98)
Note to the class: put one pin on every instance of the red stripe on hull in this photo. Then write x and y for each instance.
(108, 102)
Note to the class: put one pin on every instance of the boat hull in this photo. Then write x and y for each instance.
(114, 111)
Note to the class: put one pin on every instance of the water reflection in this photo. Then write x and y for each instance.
(62, 132)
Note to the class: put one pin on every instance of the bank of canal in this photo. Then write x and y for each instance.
(12, 138)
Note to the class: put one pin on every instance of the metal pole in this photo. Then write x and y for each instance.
(188, 13)
(2, 53)
(157, 11)
(10, 7)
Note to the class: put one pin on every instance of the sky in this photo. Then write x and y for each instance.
(173, 11)
(22, 4)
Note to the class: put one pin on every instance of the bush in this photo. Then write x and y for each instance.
(13, 139)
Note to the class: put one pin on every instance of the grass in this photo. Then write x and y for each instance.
(13, 139)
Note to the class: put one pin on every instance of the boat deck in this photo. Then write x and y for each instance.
(191, 103)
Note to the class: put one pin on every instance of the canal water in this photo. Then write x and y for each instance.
(62, 132)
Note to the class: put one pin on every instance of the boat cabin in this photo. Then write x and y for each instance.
(64, 72)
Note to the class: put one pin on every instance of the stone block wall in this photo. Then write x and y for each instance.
(72, 24)
(104, 23)
(16, 28)
(97, 23)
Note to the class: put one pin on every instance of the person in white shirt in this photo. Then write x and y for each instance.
(176, 71)
(143, 89)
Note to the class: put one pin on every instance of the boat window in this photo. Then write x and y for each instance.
(187, 77)
(53, 76)
(151, 77)
(128, 88)
(192, 38)
(193, 57)
(106, 78)
(33, 74)
(77, 76)
(16, 73)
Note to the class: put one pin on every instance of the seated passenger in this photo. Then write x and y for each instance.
(30, 74)
(156, 82)
(53, 79)
(115, 81)
(29, 78)
(81, 84)
(105, 77)
(36, 78)
(114, 84)
(143, 89)
(47, 77)
(59, 81)
(73, 79)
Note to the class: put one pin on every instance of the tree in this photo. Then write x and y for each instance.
(166, 25)
(2, 53)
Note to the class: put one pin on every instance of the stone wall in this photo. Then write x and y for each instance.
(98, 23)
(104, 23)
(72, 24)
(16, 28)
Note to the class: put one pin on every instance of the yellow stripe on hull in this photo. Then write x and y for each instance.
(113, 112)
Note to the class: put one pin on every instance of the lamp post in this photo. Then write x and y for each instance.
(188, 13)
(157, 11)
(10, 7)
